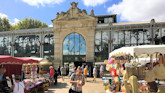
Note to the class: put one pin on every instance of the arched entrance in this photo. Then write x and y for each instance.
(74, 48)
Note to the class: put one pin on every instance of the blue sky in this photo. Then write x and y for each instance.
(45, 10)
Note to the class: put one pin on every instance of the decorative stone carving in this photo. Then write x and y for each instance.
(84, 11)
(74, 5)
(92, 13)
(74, 13)
(57, 15)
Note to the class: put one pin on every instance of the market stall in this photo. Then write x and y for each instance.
(12, 65)
(34, 81)
(136, 78)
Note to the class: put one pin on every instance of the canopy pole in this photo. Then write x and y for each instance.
(151, 63)
(160, 59)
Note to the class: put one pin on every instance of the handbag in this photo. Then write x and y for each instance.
(72, 91)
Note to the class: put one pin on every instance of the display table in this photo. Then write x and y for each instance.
(32, 86)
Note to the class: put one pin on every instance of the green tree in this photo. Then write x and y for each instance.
(1, 25)
(4, 24)
(26, 23)
(29, 23)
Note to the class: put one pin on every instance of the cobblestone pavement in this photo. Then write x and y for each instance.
(89, 87)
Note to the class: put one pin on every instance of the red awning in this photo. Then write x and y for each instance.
(27, 60)
(4, 59)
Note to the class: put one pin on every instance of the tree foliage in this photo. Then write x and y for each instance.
(26, 23)
(29, 23)
(4, 24)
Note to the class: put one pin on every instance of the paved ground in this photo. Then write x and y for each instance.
(89, 87)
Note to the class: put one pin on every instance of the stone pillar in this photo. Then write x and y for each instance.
(90, 46)
(41, 45)
(57, 49)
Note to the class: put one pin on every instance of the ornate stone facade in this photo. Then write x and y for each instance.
(78, 21)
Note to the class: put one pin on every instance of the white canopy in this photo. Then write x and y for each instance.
(138, 50)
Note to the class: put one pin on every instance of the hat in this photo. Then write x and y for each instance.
(51, 67)
(110, 60)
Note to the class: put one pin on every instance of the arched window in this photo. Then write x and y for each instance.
(74, 48)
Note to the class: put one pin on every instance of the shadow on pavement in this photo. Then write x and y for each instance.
(50, 91)
(59, 85)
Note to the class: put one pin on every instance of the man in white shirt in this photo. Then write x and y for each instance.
(18, 86)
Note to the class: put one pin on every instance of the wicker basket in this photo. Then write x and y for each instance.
(46, 88)
(139, 72)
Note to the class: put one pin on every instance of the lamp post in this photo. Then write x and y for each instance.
(152, 26)
(110, 37)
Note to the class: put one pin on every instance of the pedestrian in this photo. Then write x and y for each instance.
(82, 67)
(94, 73)
(22, 74)
(72, 71)
(77, 81)
(51, 74)
(101, 70)
(86, 72)
(59, 70)
(63, 72)
(18, 86)
(55, 76)
(41, 72)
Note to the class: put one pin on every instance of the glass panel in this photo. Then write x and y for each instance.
(48, 45)
(27, 46)
(101, 45)
(134, 37)
(115, 37)
(82, 46)
(5, 47)
(127, 37)
(146, 36)
(98, 38)
(140, 37)
(74, 47)
(121, 37)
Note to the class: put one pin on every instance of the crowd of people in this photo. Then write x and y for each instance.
(78, 77)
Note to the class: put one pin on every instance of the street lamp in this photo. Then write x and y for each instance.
(110, 36)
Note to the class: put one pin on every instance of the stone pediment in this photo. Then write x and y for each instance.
(74, 13)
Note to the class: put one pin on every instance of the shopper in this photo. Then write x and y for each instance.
(63, 72)
(101, 70)
(59, 71)
(86, 72)
(77, 81)
(73, 71)
(41, 72)
(18, 86)
(51, 74)
(55, 76)
(82, 67)
(94, 73)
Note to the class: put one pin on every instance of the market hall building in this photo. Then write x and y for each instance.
(77, 36)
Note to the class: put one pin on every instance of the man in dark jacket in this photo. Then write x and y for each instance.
(55, 77)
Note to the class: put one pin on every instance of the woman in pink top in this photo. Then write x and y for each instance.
(51, 74)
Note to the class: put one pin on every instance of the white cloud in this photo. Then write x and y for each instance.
(42, 2)
(94, 2)
(139, 10)
(15, 21)
(68, 42)
(3, 15)
(50, 25)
